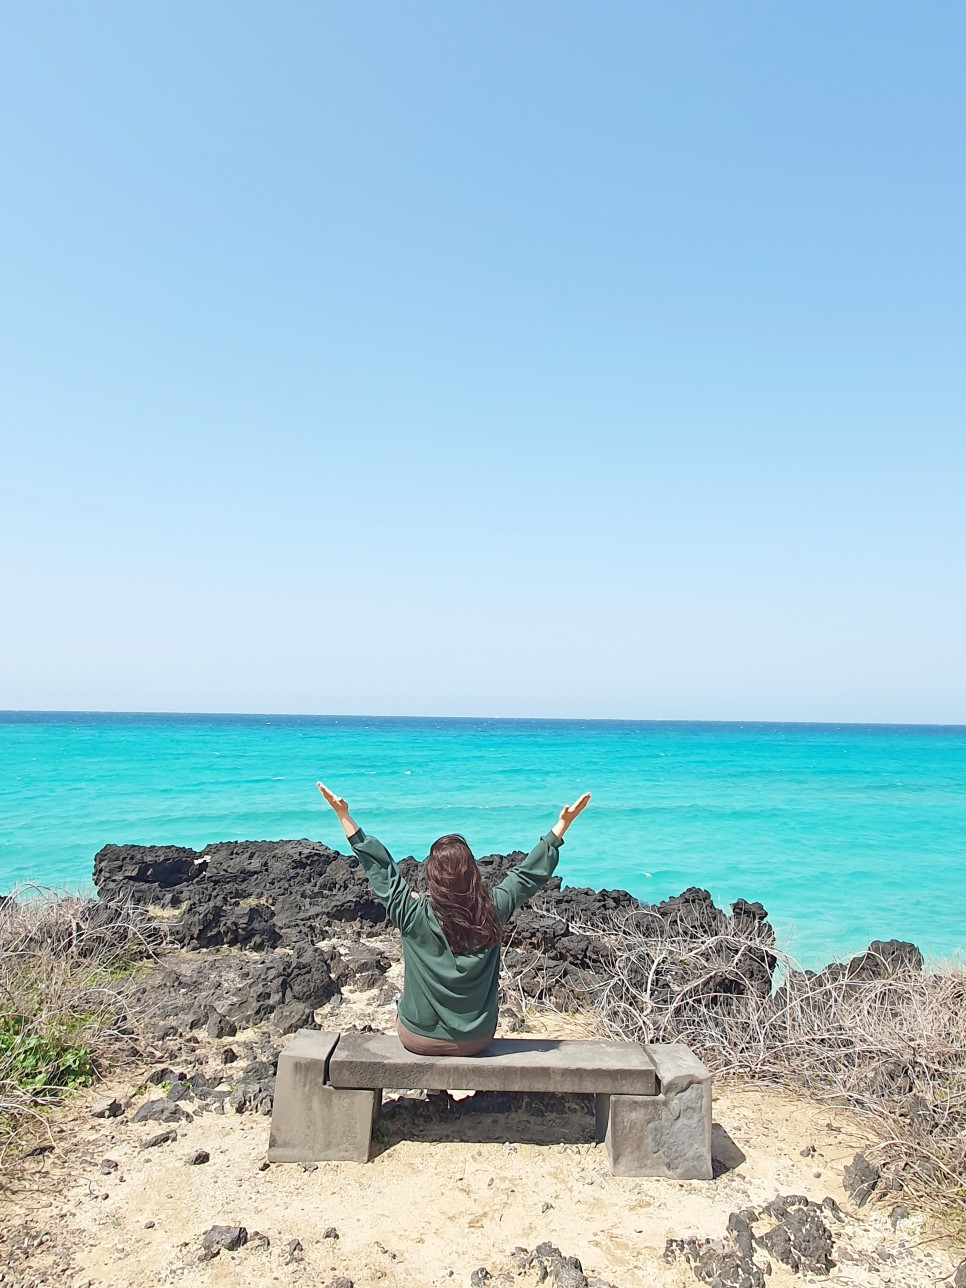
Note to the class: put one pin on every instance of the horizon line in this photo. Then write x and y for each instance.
(345, 715)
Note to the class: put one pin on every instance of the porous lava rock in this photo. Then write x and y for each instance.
(277, 899)
(360, 966)
(263, 895)
(280, 989)
(229, 1237)
(160, 1111)
(860, 1180)
(242, 893)
(545, 1264)
(791, 1229)
(884, 959)
(800, 1237)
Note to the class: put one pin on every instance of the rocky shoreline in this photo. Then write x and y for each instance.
(258, 939)
(281, 899)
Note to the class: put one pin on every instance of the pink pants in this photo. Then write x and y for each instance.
(440, 1046)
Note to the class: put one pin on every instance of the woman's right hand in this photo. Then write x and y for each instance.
(569, 813)
(338, 803)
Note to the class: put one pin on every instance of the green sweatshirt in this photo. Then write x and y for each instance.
(446, 994)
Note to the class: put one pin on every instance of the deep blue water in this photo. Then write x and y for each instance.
(844, 832)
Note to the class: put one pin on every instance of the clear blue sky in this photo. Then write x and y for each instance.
(486, 358)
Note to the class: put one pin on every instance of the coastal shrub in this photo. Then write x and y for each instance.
(878, 1034)
(61, 1021)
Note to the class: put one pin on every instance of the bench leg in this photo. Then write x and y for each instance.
(664, 1135)
(314, 1123)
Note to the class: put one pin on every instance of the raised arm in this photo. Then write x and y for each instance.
(388, 883)
(526, 878)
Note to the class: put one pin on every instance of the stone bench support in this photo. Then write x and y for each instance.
(653, 1102)
(668, 1134)
(313, 1121)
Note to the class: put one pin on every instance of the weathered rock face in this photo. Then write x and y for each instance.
(243, 893)
(220, 994)
(260, 893)
(263, 895)
(129, 868)
(545, 1264)
(860, 1179)
(884, 959)
(362, 966)
(213, 925)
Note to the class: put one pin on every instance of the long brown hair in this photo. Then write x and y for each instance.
(461, 901)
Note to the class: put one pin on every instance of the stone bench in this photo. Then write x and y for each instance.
(653, 1102)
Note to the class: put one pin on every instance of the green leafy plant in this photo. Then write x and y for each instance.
(44, 1057)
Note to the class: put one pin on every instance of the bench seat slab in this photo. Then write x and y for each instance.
(378, 1060)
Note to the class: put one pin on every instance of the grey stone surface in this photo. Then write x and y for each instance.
(307, 1044)
(666, 1135)
(677, 1066)
(159, 1111)
(108, 1107)
(376, 1060)
(311, 1121)
(229, 1237)
(330, 1126)
(160, 1138)
(654, 1103)
(860, 1179)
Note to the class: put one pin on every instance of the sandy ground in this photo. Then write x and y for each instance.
(438, 1200)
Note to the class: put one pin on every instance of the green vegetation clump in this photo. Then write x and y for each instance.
(47, 1058)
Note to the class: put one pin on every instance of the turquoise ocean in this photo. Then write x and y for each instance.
(845, 833)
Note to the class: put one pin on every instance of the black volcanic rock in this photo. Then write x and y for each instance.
(125, 869)
(160, 1111)
(860, 1179)
(362, 966)
(800, 1238)
(243, 893)
(884, 959)
(271, 895)
(258, 894)
(797, 1235)
(280, 989)
(691, 912)
(881, 961)
(213, 925)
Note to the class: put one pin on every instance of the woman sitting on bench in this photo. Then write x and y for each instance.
(451, 940)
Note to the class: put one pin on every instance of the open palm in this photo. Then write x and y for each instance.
(570, 812)
(338, 803)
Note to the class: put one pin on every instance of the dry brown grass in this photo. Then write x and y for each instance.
(62, 1021)
(887, 1041)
